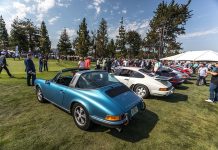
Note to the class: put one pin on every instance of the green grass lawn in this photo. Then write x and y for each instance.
(180, 121)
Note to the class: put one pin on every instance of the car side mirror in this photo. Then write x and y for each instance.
(47, 82)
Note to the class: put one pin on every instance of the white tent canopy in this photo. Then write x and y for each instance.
(206, 55)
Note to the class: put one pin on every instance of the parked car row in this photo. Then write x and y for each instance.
(108, 99)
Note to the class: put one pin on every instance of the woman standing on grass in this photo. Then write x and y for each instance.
(81, 63)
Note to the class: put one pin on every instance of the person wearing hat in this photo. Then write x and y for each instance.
(213, 85)
(30, 69)
(3, 65)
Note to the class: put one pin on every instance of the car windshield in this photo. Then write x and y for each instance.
(96, 79)
(147, 72)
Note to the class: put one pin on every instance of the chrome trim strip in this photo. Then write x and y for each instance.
(57, 105)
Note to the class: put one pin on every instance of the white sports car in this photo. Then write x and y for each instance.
(143, 82)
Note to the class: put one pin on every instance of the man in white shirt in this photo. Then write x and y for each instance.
(202, 71)
(157, 66)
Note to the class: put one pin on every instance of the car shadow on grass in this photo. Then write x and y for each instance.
(138, 129)
(174, 98)
(188, 82)
(182, 87)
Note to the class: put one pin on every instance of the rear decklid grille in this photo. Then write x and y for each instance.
(117, 91)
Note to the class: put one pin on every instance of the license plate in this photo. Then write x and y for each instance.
(134, 110)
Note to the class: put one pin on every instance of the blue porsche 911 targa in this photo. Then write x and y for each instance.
(91, 96)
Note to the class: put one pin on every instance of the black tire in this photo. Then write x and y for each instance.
(81, 120)
(141, 90)
(39, 95)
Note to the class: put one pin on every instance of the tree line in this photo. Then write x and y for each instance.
(167, 24)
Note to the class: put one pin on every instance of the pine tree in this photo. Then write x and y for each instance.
(134, 40)
(166, 25)
(18, 35)
(82, 41)
(121, 38)
(102, 39)
(4, 42)
(32, 33)
(24, 34)
(45, 43)
(111, 47)
(64, 44)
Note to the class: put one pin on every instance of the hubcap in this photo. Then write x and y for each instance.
(80, 115)
(140, 91)
(39, 94)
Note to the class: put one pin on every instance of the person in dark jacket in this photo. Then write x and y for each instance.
(213, 97)
(40, 63)
(108, 66)
(45, 62)
(30, 70)
(3, 65)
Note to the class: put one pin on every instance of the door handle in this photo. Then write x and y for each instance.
(126, 79)
(61, 91)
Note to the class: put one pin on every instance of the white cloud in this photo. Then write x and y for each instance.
(96, 5)
(42, 7)
(124, 11)
(53, 19)
(63, 3)
(200, 33)
(139, 26)
(45, 5)
(71, 32)
(13, 10)
(76, 20)
(21, 10)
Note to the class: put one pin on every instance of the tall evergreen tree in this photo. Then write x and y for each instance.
(121, 38)
(134, 40)
(82, 41)
(45, 43)
(111, 47)
(32, 33)
(166, 25)
(64, 44)
(24, 34)
(4, 42)
(102, 39)
(18, 35)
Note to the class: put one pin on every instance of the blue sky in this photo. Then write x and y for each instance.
(201, 33)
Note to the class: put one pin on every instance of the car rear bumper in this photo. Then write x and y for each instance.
(115, 124)
(110, 124)
(163, 93)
